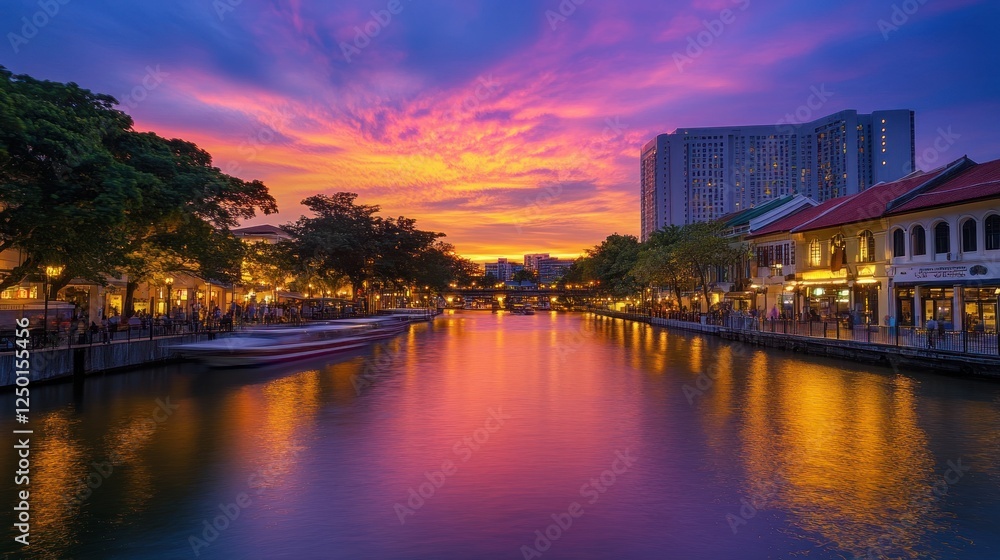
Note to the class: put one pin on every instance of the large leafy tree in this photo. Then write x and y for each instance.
(65, 186)
(612, 264)
(660, 263)
(706, 251)
(346, 239)
(181, 221)
(340, 239)
(81, 189)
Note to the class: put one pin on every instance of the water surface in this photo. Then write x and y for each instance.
(643, 443)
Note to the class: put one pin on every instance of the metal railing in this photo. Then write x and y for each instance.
(968, 342)
(74, 337)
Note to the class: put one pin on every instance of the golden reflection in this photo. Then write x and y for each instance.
(59, 471)
(845, 453)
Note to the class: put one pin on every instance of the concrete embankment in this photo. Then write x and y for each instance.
(897, 357)
(80, 361)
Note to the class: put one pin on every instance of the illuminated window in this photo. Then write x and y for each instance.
(866, 246)
(815, 253)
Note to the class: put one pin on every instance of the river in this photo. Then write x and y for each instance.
(482, 436)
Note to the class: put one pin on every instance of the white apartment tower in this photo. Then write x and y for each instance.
(700, 174)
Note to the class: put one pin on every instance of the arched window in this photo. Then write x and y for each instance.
(919, 240)
(993, 233)
(942, 238)
(866, 246)
(815, 253)
(899, 243)
(969, 236)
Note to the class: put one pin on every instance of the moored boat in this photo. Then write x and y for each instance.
(274, 345)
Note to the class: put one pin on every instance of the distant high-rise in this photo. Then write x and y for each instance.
(503, 269)
(531, 261)
(700, 174)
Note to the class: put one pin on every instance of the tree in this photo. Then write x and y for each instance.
(349, 239)
(524, 275)
(80, 188)
(181, 222)
(613, 262)
(64, 187)
(439, 265)
(660, 264)
(705, 250)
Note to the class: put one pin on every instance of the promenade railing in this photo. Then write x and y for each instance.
(980, 342)
(76, 336)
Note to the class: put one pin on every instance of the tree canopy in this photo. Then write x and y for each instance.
(346, 239)
(80, 188)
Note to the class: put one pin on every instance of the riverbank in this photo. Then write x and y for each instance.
(59, 364)
(943, 359)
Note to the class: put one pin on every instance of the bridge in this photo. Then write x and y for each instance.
(535, 295)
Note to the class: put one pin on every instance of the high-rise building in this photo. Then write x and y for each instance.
(700, 174)
(552, 269)
(531, 261)
(503, 270)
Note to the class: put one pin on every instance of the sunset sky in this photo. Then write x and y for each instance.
(506, 124)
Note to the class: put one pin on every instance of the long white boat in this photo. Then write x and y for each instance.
(274, 345)
(413, 314)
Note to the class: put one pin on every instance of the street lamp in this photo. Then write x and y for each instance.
(49, 272)
(169, 281)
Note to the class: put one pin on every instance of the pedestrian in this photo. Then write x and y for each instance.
(932, 327)
(774, 313)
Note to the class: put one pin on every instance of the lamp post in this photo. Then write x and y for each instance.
(996, 317)
(49, 272)
(169, 281)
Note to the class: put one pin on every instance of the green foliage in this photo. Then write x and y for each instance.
(610, 265)
(80, 188)
(350, 240)
(524, 275)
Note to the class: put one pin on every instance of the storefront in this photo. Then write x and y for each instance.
(976, 308)
(963, 296)
(980, 308)
(828, 302)
(866, 296)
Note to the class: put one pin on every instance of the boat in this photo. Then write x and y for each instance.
(413, 314)
(522, 310)
(273, 345)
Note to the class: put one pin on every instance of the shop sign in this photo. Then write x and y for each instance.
(942, 272)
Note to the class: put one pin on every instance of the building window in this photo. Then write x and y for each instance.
(919, 241)
(969, 236)
(942, 238)
(898, 243)
(993, 233)
(815, 253)
(866, 247)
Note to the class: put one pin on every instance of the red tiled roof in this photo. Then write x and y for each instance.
(868, 204)
(979, 182)
(793, 220)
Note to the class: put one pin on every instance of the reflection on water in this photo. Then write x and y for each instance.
(464, 437)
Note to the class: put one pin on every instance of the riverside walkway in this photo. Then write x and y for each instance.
(951, 351)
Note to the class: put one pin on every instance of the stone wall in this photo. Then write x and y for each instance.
(84, 360)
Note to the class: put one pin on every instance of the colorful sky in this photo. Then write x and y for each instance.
(514, 126)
